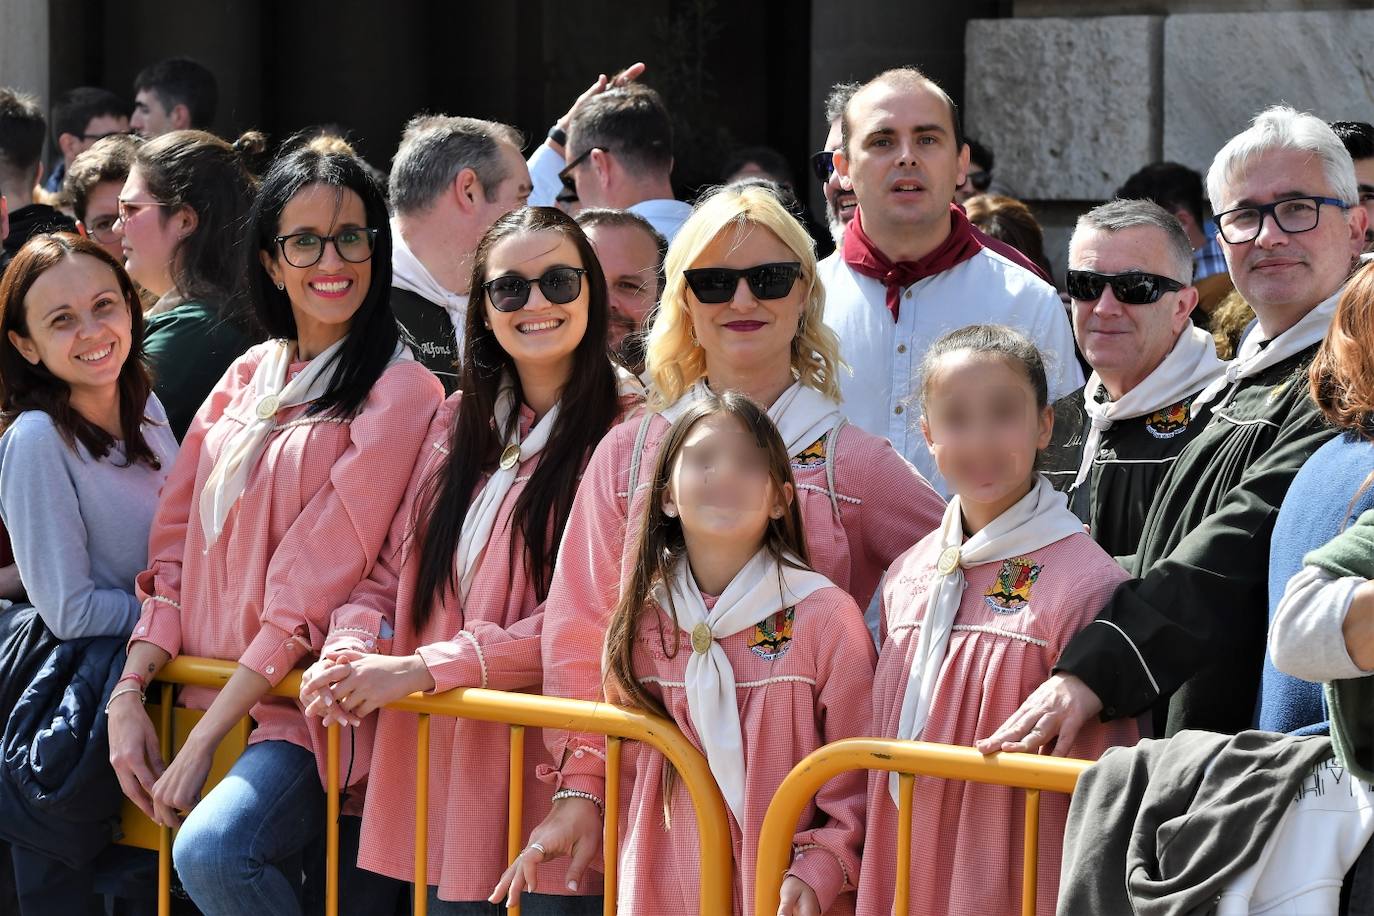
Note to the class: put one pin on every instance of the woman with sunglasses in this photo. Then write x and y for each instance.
(276, 510)
(180, 213)
(741, 311)
(467, 567)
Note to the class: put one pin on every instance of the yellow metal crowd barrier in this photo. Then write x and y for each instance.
(910, 759)
(520, 711)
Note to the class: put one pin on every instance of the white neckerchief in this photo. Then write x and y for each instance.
(762, 588)
(801, 413)
(1040, 518)
(409, 273)
(481, 515)
(272, 393)
(1252, 359)
(1190, 366)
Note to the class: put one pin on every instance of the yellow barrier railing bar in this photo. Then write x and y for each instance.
(164, 835)
(519, 710)
(1031, 772)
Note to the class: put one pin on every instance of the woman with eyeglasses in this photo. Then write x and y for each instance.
(277, 508)
(741, 311)
(179, 219)
(471, 553)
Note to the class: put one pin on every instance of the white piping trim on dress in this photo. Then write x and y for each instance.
(481, 657)
(782, 678)
(1153, 683)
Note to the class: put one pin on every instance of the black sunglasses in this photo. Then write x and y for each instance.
(980, 180)
(566, 175)
(714, 285)
(823, 164)
(1131, 288)
(560, 285)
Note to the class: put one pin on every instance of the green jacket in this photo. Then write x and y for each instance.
(189, 348)
(1351, 553)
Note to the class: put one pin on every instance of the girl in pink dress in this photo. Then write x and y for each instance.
(467, 565)
(973, 618)
(276, 509)
(726, 630)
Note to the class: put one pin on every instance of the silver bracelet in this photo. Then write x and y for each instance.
(574, 793)
(120, 692)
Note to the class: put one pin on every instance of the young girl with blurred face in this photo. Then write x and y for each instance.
(973, 618)
(725, 629)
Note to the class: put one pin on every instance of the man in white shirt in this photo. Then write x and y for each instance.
(912, 269)
(614, 149)
(451, 179)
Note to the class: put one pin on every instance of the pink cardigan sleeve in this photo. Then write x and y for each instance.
(485, 654)
(159, 586)
(826, 857)
(334, 543)
(585, 587)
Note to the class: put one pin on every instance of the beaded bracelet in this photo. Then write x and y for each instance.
(574, 793)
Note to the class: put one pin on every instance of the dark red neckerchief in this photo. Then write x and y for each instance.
(861, 254)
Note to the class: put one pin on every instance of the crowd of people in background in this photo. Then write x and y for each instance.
(511, 415)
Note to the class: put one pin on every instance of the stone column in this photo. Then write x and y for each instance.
(24, 47)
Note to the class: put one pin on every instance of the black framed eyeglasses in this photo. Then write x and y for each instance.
(823, 164)
(1131, 288)
(112, 133)
(101, 228)
(714, 285)
(566, 175)
(1292, 215)
(559, 285)
(304, 249)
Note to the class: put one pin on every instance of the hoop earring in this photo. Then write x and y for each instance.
(692, 332)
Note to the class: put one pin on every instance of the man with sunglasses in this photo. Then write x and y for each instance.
(1186, 637)
(840, 202)
(913, 268)
(1129, 279)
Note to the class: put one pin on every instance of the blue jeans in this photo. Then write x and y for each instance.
(530, 905)
(239, 850)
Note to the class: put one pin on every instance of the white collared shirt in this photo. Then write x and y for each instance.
(884, 357)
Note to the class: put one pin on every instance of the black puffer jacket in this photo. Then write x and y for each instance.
(58, 793)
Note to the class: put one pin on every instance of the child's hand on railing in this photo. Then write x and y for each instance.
(573, 828)
(798, 899)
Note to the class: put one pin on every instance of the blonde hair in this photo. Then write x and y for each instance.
(674, 358)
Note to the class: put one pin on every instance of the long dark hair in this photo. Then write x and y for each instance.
(196, 169)
(24, 386)
(660, 544)
(373, 335)
(475, 444)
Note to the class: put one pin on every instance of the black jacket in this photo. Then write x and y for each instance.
(58, 794)
(26, 222)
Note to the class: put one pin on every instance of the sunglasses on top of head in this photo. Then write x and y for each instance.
(714, 285)
(1134, 287)
(559, 285)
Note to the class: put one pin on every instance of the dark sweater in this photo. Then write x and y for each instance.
(1316, 509)
(190, 347)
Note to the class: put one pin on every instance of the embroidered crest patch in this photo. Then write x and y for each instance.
(1010, 592)
(1167, 423)
(813, 456)
(772, 636)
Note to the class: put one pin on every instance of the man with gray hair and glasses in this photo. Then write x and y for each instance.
(1185, 638)
(452, 178)
(1130, 278)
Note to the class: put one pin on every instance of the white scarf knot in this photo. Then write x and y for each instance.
(762, 588)
(1039, 519)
